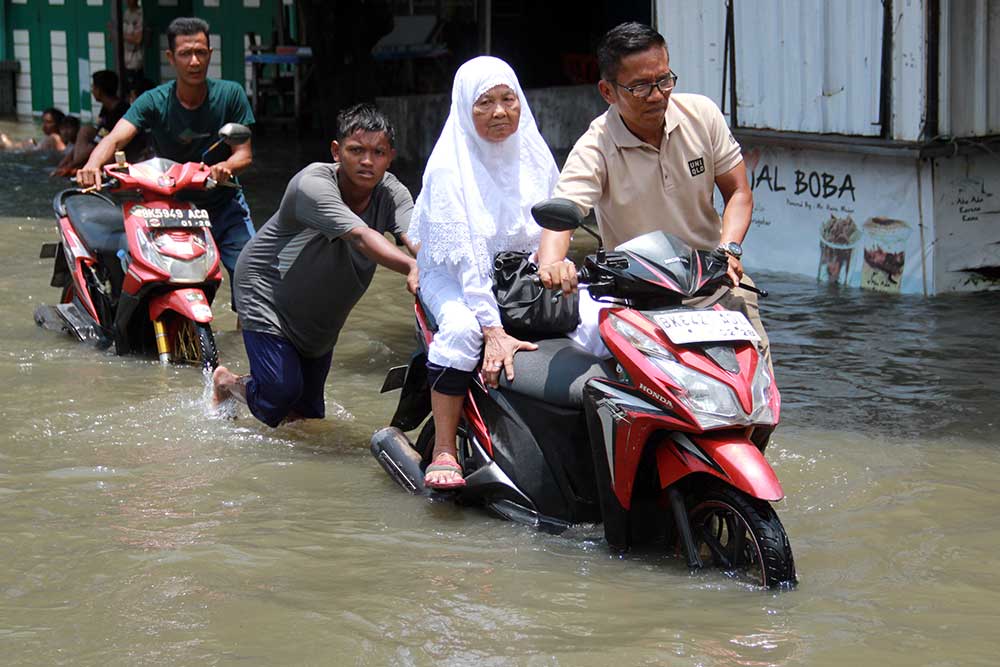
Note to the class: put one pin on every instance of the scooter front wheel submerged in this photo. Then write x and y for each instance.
(741, 536)
(193, 343)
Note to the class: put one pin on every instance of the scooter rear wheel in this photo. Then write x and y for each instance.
(741, 536)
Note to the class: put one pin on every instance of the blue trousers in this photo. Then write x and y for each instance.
(282, 381)
(231, 229)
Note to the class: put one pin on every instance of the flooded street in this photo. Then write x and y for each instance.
(139, 530)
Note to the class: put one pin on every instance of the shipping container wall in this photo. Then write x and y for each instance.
(807, 65)
(969, 81)
(909, 70)
(694, 30)
(802, 66)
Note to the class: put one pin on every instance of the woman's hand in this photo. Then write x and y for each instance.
(500, 348)
(413, 280)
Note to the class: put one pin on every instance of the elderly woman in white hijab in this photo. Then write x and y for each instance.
(489, 166)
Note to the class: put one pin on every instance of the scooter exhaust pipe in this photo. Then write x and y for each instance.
(394, 452)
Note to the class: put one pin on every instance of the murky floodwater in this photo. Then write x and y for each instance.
(139, 530)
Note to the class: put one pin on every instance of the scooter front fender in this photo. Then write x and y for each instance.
(731, 458)
(188, 302)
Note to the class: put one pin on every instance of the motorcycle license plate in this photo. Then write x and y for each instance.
(173, 217)
(705, 326)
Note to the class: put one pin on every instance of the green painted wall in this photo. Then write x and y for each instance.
(50, 72)
(231, 20)
(4, 55)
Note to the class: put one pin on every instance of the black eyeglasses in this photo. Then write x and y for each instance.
(644, 90)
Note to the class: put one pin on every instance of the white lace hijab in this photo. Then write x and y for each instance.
(477, 195)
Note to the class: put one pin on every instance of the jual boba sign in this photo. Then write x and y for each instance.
(847, 219)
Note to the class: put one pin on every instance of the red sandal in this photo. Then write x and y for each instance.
(444, 465)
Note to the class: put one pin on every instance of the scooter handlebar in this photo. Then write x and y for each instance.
(106, 184)
(582, 276)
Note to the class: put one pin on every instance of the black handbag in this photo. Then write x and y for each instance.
(526, 307)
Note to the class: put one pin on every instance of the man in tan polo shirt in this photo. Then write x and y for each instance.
(652, 162)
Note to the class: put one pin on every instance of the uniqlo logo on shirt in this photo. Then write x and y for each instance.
(697, 166)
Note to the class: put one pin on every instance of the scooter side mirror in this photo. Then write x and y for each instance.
(557, 215)
(234, 134)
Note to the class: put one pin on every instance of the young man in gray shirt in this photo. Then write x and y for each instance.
(299, 277)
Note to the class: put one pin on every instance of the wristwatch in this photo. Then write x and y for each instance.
(733, 249)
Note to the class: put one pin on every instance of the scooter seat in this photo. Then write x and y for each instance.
(555, 373)
(100, 224)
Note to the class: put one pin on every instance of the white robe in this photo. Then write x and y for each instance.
(476, 201)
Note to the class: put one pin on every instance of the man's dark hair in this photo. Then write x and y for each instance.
(624, 40)
(141, 85)
(186, 26)
(70, 121)
(106, 81)
(56, 114)
(364, 117)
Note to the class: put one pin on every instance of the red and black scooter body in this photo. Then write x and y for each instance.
(136, 271)
(663, 441)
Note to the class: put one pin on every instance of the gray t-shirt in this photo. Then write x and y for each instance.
(297, 278)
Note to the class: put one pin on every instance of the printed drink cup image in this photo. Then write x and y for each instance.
(837, 238)
(885, 254)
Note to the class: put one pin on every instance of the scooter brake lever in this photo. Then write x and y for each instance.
(535, 280)
(756, 290)
(211, 183)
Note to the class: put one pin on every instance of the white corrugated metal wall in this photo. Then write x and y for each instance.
(909, 69)
(694, 30)
(809, 65)
(801, 65)
(969, 81)
(816, 65)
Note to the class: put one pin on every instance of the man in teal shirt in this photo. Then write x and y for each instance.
(183, 118)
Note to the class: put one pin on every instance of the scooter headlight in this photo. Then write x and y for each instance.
(194, 270)
(761, 390)
(712, 403)
(641, 341)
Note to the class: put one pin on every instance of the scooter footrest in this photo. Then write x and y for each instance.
(48, 317)
(80, 324)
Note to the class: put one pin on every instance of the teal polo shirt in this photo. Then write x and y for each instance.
(182, 134)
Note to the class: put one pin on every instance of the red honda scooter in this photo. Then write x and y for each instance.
(140, 275)
(663, 442)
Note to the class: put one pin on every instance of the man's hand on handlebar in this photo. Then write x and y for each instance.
(735, 270)
(559, 275)
(220, 173)
(88, 176)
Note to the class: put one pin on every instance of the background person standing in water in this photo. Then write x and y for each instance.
(134, 33)
(299, 278)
